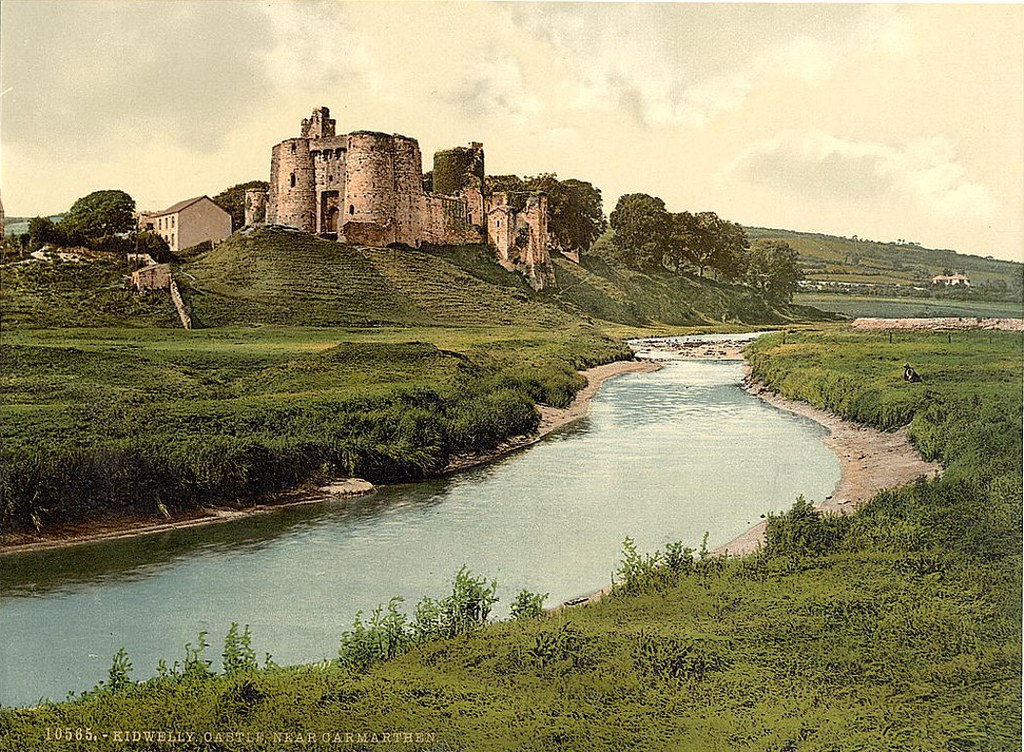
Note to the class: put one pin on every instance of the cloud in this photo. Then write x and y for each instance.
(818, 165)
(677, 66)
(95, 76)
(495, 87)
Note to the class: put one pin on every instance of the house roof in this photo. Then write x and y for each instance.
(180, 205)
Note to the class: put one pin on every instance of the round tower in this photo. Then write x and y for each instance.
(293, 185)
(368, 212)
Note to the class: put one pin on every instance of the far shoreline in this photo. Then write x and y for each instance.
(552, 419)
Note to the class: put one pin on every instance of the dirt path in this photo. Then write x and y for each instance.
(552, 419)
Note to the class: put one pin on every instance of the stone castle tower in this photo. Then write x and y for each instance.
(366, 188)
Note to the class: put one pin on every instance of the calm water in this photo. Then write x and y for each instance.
(664, 456)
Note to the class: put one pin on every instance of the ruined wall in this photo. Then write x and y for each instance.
(366, 188)
(319, 125)
(460, 172)
(329, 156)
(292, 185)
(255, 206)
(154, 277)
(520, 237)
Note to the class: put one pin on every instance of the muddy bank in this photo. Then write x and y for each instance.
(552, 419)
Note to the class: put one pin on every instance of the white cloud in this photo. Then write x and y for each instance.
(822, 165)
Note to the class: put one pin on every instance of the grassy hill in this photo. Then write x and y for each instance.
(274, 276)
(827, 257)
(69, 293)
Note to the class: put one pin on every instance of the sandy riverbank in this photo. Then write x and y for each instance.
(552, 419)
(869, 461)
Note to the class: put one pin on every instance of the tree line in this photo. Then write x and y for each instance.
(103, 221)
(648, 237)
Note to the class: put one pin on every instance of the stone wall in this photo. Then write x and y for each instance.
(153, 277)
(520, 237)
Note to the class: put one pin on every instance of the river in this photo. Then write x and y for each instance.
(664, 456)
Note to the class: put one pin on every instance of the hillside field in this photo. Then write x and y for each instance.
(827, 257)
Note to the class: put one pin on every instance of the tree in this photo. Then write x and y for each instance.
(149, 242)
(575, 213)
(100, 213)
(579, 221)
(232, 200)
(642, 230)
(705, 240)
(772, 267)
(575, 210)
(42, 231)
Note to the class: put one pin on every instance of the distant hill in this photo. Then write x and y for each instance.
(276, 276)
(827, 257)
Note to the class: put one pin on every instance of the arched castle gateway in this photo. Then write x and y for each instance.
(366, 188)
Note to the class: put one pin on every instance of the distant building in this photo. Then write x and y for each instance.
(188, 223)
(1, 221)
(951, 280)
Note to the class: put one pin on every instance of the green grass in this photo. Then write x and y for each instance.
(111, 422)
(285, 278)
(71, 294)
(289, 278)
(896, 628)
(855, 306)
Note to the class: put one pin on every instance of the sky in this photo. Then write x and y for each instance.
(887, 122)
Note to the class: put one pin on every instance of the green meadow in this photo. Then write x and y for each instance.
(108, 423)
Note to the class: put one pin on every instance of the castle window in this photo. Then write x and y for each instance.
(293, 146)
(499, 223)
(293, 180)
(351, 209)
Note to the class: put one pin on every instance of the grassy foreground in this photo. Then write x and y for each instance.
(896, 628)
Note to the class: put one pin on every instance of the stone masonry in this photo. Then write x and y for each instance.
(366, 188)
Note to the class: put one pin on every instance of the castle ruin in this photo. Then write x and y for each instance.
(367, 188)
